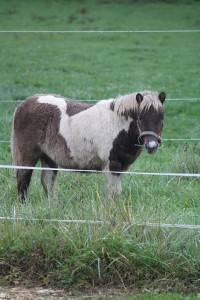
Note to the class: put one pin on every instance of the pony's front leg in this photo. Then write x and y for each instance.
(113, 184)
(48, 177)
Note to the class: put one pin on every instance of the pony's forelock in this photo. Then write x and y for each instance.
(150, 99)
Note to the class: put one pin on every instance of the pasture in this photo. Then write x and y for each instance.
(92, 66)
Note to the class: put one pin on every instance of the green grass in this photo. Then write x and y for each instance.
(154, 297)
(98, 66)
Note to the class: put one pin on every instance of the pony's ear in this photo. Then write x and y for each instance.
(162, 97)
(139, 98)
(112, 106)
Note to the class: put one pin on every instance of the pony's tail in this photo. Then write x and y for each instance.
(14, 147)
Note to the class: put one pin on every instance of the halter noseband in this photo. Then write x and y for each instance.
(152, 134)
(148, 133)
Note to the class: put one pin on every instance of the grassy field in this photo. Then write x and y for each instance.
(95, 66)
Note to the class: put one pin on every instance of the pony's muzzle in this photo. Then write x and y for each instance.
(151, 146)
(150, 140)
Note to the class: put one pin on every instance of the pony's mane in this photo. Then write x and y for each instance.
(127, 104)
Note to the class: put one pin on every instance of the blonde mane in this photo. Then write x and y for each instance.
(127, 104)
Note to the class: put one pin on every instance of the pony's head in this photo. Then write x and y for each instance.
(150, 115)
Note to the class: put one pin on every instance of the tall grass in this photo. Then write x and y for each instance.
(116, 253)
(99, 66)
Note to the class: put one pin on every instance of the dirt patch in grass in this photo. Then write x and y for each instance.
(98, 292)
(22, 293)
(41, 293)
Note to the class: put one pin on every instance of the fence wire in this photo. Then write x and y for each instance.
(99, 222)
(102, 171)
(95, 101)
(104, 31)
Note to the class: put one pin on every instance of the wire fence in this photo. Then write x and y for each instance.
(95, 101)
(164, 140)
(125, 224)
(128, 224)
(104, 31)
(100, 222)
(100, 171)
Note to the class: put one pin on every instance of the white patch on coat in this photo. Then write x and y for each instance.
(50, 99)
(90, 133)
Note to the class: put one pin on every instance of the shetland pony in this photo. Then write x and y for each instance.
(106, 136)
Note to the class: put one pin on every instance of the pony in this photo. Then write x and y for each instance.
(108, 135)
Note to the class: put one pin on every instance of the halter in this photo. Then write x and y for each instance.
(148, 133)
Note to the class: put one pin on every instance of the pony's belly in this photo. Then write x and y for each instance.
(81, 161)
(94, 163)
(87, 161)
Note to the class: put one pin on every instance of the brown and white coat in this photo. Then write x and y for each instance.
(62, 132)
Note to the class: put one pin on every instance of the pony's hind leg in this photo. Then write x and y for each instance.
(48, 177)
(23, 181)
(24, 155)
(24, 175)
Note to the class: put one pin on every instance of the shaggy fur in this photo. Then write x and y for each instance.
(62, 132)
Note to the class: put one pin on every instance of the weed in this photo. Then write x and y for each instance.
(187, 159)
